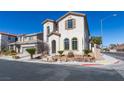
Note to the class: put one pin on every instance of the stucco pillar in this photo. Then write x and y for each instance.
(96, 52)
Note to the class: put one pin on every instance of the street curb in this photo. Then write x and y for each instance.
(117, 62)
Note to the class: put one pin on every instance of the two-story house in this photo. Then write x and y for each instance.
(26, 41)
(5, 39)
(69, 33)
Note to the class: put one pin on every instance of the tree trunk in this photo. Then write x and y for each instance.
(31, 56)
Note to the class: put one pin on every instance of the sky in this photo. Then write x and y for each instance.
(24, 22)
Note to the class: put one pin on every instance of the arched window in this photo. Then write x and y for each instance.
(48, 32)
(48, 29)
(74, 43)
(66, 44)
(53, 46)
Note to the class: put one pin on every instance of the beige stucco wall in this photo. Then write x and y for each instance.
(34, 37)
(51, 25)
(79, 32)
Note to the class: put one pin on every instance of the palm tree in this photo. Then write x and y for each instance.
(31, 51)
(96, 40)
(87, 51)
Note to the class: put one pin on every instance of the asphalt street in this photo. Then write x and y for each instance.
(118, 55)
(117, 67)
(19, 71)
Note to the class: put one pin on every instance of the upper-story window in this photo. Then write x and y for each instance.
(30, 38)
(25, 38)
(20, 38)
(70, 24)
(48, 29)
(9, 38)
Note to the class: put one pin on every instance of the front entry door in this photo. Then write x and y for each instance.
(53, 46)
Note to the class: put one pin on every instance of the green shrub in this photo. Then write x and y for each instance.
(60, 52)
(31, 51)
(7, 53)
(13, 52)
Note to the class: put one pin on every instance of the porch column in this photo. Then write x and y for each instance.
(9, 47)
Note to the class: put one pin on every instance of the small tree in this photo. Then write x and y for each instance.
(60, 52)
(31, 51)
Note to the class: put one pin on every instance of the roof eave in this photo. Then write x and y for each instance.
(70, 13)
(47, 20)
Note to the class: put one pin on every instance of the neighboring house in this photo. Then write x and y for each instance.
(5, 39)
(112, 47)
(69, 33)
(113, 50)
(117, 48)
(26, 41)
(120, 48)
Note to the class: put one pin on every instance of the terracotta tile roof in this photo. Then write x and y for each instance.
(3, 33)
(119, 47)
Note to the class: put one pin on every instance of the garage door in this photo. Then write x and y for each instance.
(24, 50)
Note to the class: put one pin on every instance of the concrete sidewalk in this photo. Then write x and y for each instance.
(107, 60)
